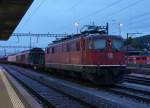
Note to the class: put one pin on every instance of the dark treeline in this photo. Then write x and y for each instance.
(141, 43)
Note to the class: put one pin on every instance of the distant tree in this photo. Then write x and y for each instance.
(130, 40)
(142, 42)
(135, 44)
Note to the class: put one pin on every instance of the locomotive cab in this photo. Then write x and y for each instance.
(106, 50)
(104, 58)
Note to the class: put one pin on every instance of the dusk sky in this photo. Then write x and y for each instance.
(58, 16)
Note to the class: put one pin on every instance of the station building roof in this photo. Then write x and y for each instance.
(11, 13)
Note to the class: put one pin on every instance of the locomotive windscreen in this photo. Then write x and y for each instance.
(100, 43)
(117, 44)
(97, 44)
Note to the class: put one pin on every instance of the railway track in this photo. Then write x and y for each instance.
(112, 97)
(140, 70)
(133, 91)
(50, 98)
(138, 78)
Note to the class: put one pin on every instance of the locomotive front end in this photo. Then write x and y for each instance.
(106, 58)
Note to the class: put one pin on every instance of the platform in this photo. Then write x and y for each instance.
(13, 95)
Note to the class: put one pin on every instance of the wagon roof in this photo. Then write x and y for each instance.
(24, 52)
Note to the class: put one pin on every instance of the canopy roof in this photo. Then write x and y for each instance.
(11, 13)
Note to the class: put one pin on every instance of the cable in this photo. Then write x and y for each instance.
(95, 12)
(75, 5)
(139, 28)
(128, 6)
(147, 26)
(125, 8)
(109, 6)
(140, 16)
(100, 10)
(34, 12)
(135, 22)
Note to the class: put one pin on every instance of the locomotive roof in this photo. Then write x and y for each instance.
(77, 36)
(88, 31)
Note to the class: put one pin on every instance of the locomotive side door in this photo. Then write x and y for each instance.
(83, 50)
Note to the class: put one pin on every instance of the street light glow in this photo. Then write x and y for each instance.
(120, 24)
(76, 24)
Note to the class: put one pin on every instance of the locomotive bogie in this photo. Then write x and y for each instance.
(94, 73)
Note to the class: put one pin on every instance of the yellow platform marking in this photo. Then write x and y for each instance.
(11, 92)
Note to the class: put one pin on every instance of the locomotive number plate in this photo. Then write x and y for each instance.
(110, 55)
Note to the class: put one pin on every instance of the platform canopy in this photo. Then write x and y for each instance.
(11, 13)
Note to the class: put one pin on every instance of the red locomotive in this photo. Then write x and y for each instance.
(92, 55)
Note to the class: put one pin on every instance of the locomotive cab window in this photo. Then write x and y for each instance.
(53, 50)
(97, 44)
(117, 44)
(48, 50)
(67, 47)
(77, 46)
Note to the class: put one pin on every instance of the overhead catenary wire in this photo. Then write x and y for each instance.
(136, 19)
(138, 22)
(107, 7)
(18, 46)
(100, 10)
(74, 6)
(123, 9)
(142, 26)
(33, 13)
(127, 7)
(94, 13)
(139, 16)
(39, 35)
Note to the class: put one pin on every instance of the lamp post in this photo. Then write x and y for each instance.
(76, 24)
(5, 52)
(120, 25)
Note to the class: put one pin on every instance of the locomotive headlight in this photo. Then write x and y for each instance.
(110, 55)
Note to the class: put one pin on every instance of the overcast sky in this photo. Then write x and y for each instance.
(58, 16)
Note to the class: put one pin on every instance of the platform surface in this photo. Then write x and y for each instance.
(8, 96)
